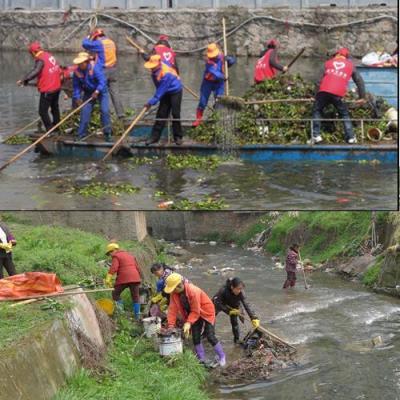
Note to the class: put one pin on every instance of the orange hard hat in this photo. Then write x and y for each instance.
(34, 47)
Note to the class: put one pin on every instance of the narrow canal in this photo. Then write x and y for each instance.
(36, 182)
(331, 324)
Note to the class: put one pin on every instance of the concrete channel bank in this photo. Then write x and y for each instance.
(319, 30)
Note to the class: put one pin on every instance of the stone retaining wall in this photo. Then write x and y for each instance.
(192, 29)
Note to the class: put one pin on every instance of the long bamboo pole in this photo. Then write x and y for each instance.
(117, 143)
(19, 130)
(20, 154)
(225, 54)
(44, 296)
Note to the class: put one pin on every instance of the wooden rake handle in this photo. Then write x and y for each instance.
(20, 154)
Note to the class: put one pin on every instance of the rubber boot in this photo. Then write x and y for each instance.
(120, 305)
(236, 334)
(220, 354)
(200, 352)
(199, 117)
(136, 310)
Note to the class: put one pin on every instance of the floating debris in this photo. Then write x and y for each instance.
(18, 139)
(100, 189)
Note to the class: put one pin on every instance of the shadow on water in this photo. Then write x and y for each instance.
(331, 325)
(34, 182)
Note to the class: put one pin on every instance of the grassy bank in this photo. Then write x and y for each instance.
(77, 257)
(134, 370)
(323, 235)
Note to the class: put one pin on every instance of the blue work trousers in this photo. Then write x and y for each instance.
(208, 87)
(86, 113)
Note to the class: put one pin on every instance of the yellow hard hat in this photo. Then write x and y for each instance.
(111, 247)
(172, 282)
(82, 57)
(154, 61)
(212, 50)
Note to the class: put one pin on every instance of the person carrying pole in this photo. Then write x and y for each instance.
(89, 81)
(267, 66)
(129, 275)
(213, 79)
(169, 95)
(105, 52)
(332, 88)
(7, 242)
(197, 310)
(47, 71)
(292, 263)
(229, 299)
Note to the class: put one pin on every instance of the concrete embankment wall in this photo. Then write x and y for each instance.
(38, 366)
(128, 225)
(320, 29)
(172, 225)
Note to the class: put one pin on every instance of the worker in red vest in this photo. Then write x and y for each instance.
(169, 95)
(164, 50)
(267, 66)
(106, 55)
(332, 88)
(48, 73)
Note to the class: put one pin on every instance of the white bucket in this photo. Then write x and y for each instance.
(392, 116)
(170, 345)
(151, 325)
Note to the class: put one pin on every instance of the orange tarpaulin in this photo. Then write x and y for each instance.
(29, 284)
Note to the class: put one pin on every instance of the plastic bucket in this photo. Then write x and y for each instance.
(374, 134)
(107, 305)
(151, 326)
(392, 116)
(170, 345)
(143, 296)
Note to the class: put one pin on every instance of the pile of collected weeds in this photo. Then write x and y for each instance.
(18, 139)
(253, 125)
(260, 357)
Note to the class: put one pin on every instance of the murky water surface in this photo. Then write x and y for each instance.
(331, 324)
(35, 182)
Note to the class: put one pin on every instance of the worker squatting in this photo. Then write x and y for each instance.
(180, 303)
(94, 78)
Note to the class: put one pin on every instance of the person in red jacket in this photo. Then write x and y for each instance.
(292, 260)
(267, 66)
(48, 74)
(129, 275)
(165, 51)
(196, 309)
(332, 88)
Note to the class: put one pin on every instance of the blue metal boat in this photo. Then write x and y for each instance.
(95, 148)
(380, 81)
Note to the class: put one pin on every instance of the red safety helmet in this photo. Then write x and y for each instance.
(343, 51)
(272, 43)
(163, 37)
(97, 32)
(34, 47)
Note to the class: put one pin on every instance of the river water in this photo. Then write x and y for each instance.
(34, 182)
(331, 324)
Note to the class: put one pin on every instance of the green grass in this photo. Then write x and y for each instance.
(323, 235)
(371, 276)
(17, 322)
(139, 374)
